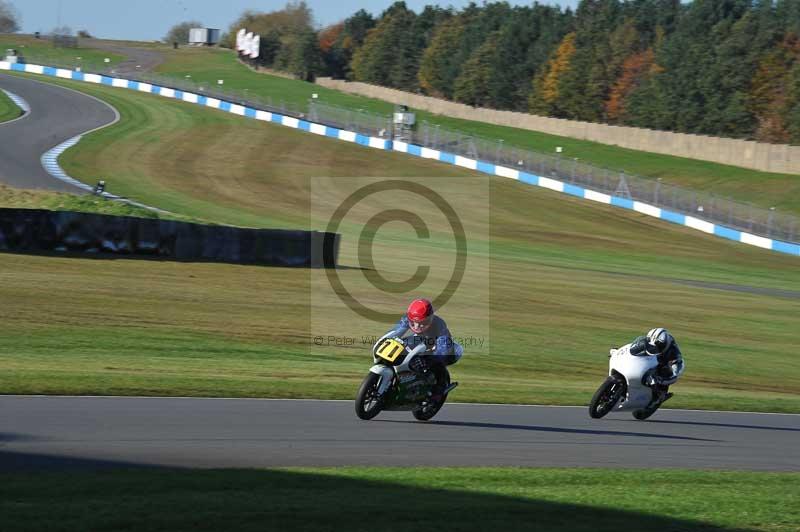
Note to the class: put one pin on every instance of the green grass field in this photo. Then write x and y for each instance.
(560, 282)
(8, 109)
(355, 499)
(42, 51)
(55, 201)
(761, 188)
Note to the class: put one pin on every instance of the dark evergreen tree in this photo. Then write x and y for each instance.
(474, 85)
(441, 61)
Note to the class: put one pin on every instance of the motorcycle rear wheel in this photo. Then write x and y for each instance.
(607, 395)
(368, 405)
(644, 413)
(426, 413)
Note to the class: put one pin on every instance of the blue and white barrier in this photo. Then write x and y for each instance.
(419, 151)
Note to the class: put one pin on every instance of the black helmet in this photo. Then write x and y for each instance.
(658, 341)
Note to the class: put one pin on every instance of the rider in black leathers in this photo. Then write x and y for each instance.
(661, 343)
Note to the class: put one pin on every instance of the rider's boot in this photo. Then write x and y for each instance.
(660, 394)
(437, 392)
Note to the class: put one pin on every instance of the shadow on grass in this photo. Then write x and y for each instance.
(538, 428)
(244, 500)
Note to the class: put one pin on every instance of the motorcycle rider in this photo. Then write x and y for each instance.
(660, 343)
(421, 325)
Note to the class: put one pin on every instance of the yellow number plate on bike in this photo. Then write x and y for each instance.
(390, 349)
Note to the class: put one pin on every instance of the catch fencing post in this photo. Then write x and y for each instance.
(769, 221)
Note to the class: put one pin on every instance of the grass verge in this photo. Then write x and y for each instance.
(43, 51)
(8, 109)
(55, 201)
(357, 499)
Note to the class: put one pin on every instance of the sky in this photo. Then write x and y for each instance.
(148, 20)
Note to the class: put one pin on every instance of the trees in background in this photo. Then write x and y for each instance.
(179, 33)
(720, 67)
(339, 42)
(288, 39)
(9, 18)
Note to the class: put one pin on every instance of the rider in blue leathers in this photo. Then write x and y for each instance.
(421, 325)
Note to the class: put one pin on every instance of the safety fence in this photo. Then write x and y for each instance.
(704, 205)
(717, 216)
(780, 158)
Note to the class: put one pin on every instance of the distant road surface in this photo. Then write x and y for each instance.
(56, 115)
(138, 59)
(212, 433)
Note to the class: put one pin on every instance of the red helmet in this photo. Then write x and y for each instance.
(420, 315)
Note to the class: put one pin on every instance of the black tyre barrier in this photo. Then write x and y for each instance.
(41, 231)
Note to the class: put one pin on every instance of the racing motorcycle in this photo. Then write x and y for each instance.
(630, 367)
(400, 379)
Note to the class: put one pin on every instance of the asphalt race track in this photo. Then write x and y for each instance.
(57, 114)
(54, 432)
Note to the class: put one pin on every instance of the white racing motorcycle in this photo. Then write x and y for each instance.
(630, 367)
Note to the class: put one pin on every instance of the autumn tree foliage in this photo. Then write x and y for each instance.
(545, 96)
(441, 61)
(634, 69)
(718, 67)
(328, 36)
(339, 42)
(774, 92)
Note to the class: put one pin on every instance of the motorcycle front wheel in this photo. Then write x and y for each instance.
(368, 404)
(607, 395)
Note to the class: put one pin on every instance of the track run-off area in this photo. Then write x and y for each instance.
(76, 432)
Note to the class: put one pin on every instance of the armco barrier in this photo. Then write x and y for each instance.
(384, 144)
(32, 231)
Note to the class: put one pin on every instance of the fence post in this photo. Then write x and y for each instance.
(656, 191)
(499, 151)
(769, 221)
(675, 199)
